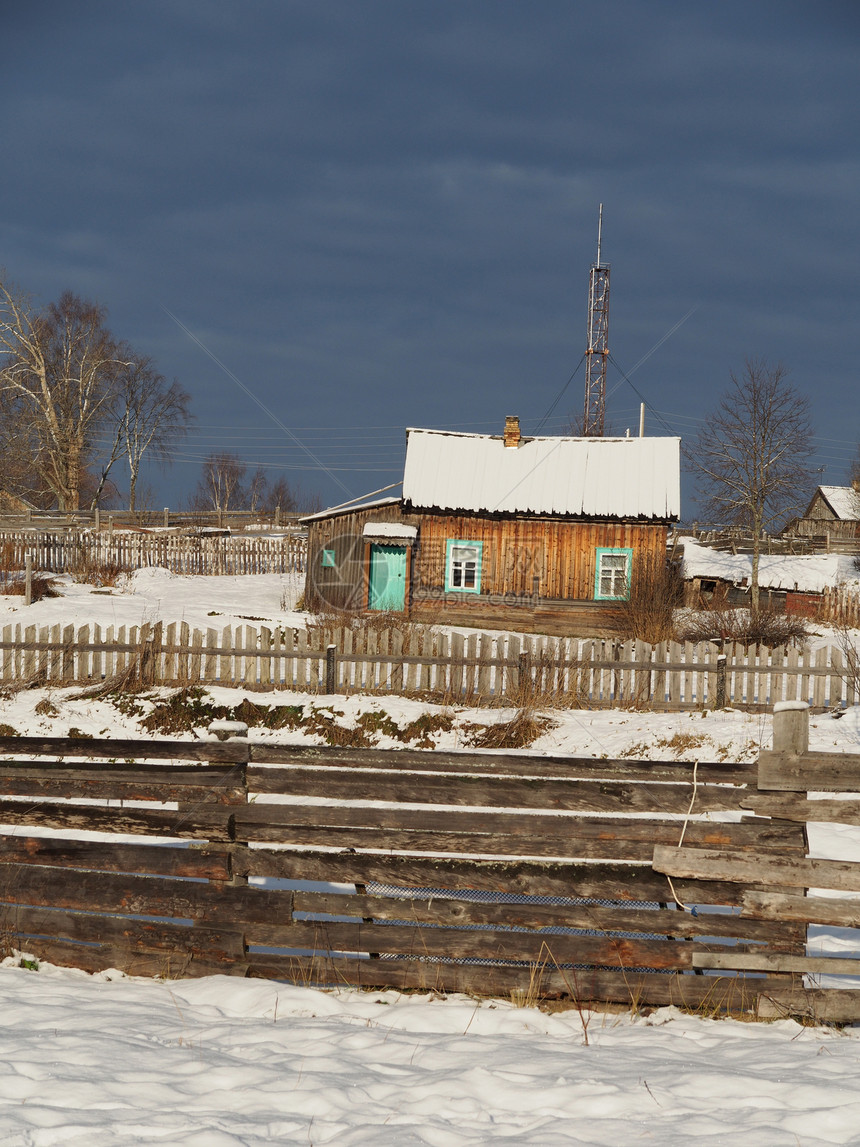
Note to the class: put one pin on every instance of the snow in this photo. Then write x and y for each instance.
(114, 1061)
(843, 501)
(106, 1060)
(808, 573)
(603, 477)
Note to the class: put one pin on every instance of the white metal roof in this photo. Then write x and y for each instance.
(591, 477)
(844, 501)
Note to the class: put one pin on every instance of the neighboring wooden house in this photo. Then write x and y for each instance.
(833, 514)
(501, 530)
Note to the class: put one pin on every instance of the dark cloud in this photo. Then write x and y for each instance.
(383, 214)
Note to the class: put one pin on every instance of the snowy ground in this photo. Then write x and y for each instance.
(92, 1061)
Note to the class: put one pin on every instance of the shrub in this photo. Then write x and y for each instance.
(41, 585)
(767, 628)
(88, 569)
(656, 591)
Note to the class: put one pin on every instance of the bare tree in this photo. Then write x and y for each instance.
(220, 485)
(155, 416)
(59, 369)
(753, 455)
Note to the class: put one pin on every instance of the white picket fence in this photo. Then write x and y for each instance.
(475, 669)
(76, 550)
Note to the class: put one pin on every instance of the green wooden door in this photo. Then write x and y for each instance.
(387, 577)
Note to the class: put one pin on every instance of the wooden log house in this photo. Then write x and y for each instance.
(505, 530)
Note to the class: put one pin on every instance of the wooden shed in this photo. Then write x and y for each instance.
(501, 530)
(833, 515)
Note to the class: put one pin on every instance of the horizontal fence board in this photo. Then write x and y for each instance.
(807, 909)
(144, 896)
(820, 1005)
(166, 784)
(823, 772)
(598, 881)
(165, 964)
(122, 749)
(776, 962)
(513, 763)
(509, 792)
(196, 862)
(451, 830)
(798, 808)
(323, 938)
(203, 821)
(631, 989)
(843, 875)
(216, 944)
(439, 910)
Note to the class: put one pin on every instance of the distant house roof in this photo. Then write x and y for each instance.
(349, 508)
(807, 573)
(844, 501)
(580, 477)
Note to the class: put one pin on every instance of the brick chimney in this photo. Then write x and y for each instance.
(512, 430)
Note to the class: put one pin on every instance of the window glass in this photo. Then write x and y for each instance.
(613, 573)
(463, 567)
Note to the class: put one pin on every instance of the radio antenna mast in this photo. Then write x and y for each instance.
(597, 351)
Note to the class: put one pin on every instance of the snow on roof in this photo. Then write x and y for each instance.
(808, 573)
(593, 477)
(389, 530)
(844, 501)
(351, 508)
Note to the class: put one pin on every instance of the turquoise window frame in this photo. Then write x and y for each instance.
(328, 559)
(601, 552)
(449, 586)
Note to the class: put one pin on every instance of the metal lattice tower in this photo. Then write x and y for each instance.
(597, 353)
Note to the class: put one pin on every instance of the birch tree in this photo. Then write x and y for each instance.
(753, 455)
(155, 416)
(58, 373)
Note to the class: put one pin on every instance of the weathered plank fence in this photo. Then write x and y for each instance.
(79, 550)
(280, 862)
(478, 669)
(797, 889)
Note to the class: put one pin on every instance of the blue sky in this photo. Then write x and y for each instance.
(375, 214)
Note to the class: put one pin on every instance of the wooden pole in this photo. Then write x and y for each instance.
(28, 579)
(330, 669)
(721, 680)
(791, 727)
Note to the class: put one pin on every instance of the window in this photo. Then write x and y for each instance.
(463, 566)
(328, 559)
(612, 578)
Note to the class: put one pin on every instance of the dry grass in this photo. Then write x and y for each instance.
(12, 576)
(88, 569)
(518, 733)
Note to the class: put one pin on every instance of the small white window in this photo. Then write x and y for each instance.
(463, 567)
(613, 573)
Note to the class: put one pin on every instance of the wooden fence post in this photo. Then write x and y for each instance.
(228, 731)
(28, 579)
(721, 680)
(524, 677)
(791, 727)
(331, 669)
